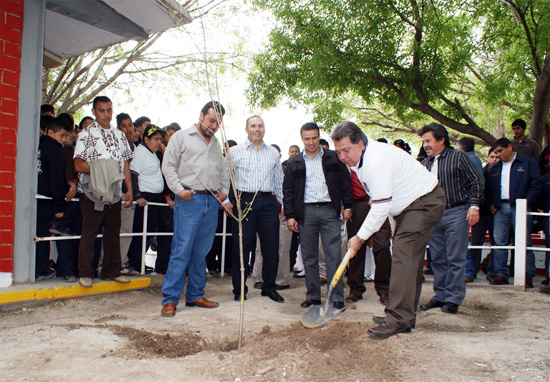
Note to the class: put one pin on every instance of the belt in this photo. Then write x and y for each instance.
(453, 205)
(204, 192)
(361, 199)
(317, 204)
(505, 201)
(259, 193)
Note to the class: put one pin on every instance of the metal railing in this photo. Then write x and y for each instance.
(520, 242)
(144, 234)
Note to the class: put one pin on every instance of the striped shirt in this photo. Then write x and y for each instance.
(458, 177)
(316, 189)
(257, 169)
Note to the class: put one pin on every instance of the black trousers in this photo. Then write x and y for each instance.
(159, 219)
(262, 220)
(44, 217)
(380, 249)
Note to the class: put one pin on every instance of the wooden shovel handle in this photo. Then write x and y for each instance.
(341, 268)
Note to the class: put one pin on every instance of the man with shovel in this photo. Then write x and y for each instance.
(400, 186)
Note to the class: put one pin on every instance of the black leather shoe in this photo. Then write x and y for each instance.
(281, 287)
(449, 307)
(258, 285)
(339, 305)
(379, 319)
(238, 297)
(433, 303)
(528, 282)
(386, 330)
(273, 295)
(307, 303)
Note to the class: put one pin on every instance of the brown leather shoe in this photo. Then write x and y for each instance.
(545, 288)
(203, 303)
(168, 310)
(384, 298)
(499, 280)
(322, 280)
(528, 282)
(386, 330)
(378, 320)
(353, 298)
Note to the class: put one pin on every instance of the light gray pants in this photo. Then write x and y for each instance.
(321, 220)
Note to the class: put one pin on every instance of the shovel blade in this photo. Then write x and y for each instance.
(316, 316)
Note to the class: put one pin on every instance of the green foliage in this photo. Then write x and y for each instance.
(425, 59)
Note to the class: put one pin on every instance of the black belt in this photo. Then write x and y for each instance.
(453, 205)
(259, 193)
(317, 204)
(361, 199)
(505, 201)
(204, 192)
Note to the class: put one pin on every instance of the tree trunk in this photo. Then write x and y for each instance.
(541, 105)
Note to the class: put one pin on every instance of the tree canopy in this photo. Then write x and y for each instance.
(459, 63)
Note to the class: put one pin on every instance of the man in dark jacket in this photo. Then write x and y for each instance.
(513, 177)
(315, 186)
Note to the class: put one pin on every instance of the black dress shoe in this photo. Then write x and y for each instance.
(449, 307)
(339, 305)
(433, 303)
(281, 287)
(386, 330)
(379, 319)
(528, 282)
(238, 297)
(307, 303)
(258, 285)
(273, 295)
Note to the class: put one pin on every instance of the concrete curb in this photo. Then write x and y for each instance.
(32, 293)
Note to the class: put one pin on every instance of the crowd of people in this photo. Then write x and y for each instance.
(301, 214)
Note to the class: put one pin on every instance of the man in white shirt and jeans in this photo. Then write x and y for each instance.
(400, 186)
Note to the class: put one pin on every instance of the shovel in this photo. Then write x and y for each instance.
(315, 316)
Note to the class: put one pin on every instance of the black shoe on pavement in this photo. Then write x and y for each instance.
(238, 297)
(339, 305)
(273, 295)
(432, 304)
(379, 319)
(258, 285)
(281, 287)
(307, 303)
(449, 307)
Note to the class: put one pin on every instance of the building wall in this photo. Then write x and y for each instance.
(11, 28)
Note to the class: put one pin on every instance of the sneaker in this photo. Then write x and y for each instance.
(61, 230)
(127, 270)
(121, 279)
(46, 275)
(86, 282)
(69, 279)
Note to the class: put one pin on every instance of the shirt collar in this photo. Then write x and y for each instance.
(319, 154)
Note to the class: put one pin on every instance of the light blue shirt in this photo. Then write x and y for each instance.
(316, 189)
(257, 169)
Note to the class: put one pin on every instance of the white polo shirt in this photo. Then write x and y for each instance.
(147, 166)
(393, 180)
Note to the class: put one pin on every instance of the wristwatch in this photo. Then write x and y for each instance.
(362, 241)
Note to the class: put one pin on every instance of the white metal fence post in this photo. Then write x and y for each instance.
(144, 238)
(520, 243)
(222, 254)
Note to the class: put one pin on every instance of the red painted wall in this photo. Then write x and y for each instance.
(11, 29)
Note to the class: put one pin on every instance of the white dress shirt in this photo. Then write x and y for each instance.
(257, 169)
(393, 180)
(316, 189)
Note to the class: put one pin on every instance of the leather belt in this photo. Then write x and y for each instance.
(453, 205)
(259, 193)
(203, 192)
(505, 201)
(317, 204)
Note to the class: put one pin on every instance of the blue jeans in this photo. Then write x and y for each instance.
(448, 246)
(195, 223)
(504, 225)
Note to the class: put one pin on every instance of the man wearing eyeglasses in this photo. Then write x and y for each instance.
(195, 171)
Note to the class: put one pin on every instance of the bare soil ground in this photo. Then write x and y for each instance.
(498, 335)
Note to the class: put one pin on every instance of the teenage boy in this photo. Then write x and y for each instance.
(51, 183)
